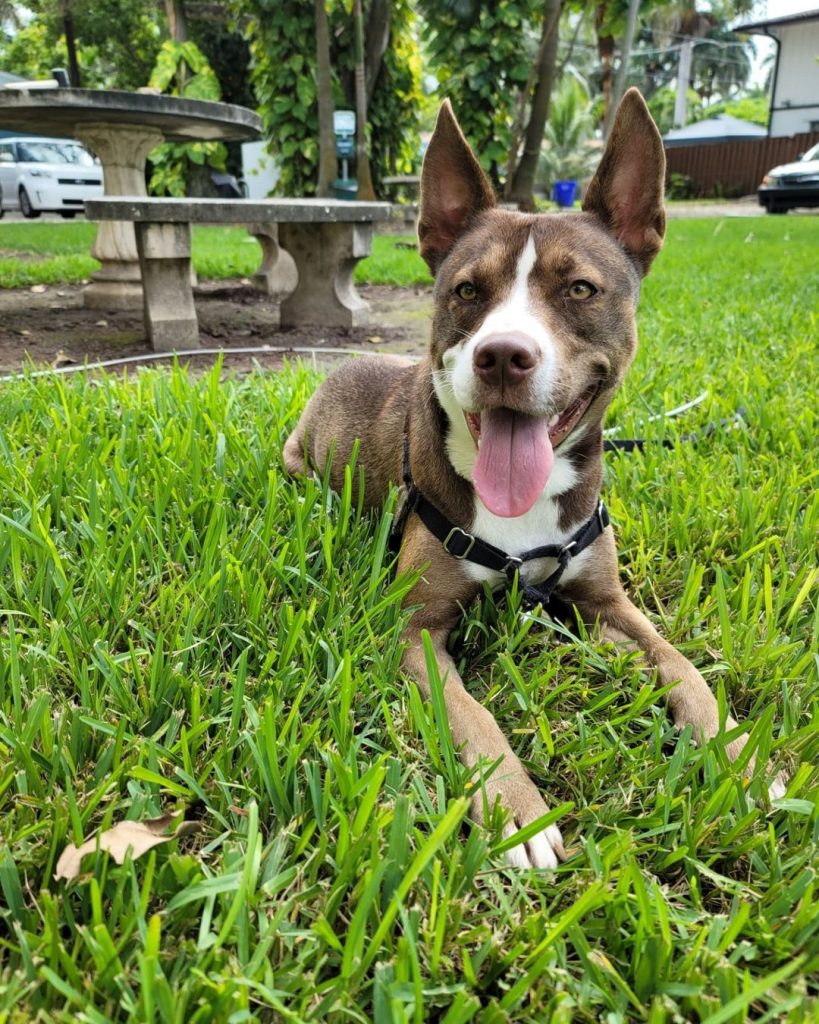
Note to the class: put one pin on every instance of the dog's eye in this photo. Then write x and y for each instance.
(581, 290)
(466, 291)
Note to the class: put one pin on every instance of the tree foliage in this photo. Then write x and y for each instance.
(281, 35)
(117, 41)
(173, 162)
(482, 51)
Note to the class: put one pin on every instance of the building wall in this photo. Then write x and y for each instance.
(795, 106)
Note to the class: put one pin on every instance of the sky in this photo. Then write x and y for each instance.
(782, 8)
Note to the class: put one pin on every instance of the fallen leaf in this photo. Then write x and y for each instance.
(38, 288)
(375, 339)
(136, 836)
(101, 323)
(61, 359)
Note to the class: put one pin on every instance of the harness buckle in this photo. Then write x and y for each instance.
(602, 518)
(457, 533)
(513, 565)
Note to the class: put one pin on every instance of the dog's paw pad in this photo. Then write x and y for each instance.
(542, 850)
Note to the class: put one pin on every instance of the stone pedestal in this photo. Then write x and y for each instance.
(325, 255)
(123, 151)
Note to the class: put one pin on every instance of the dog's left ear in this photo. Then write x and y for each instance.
(453, 189)
(627, 191)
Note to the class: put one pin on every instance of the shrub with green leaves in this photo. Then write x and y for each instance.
(183, 70)
(282, 39)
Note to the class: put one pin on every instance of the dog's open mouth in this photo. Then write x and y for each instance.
(516, 453)
(560, 425)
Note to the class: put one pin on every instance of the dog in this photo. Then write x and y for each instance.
(497, 434)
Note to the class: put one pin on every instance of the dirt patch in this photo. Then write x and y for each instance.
(49, 326)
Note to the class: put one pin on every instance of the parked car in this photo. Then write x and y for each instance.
(40, 175)
(791, 185)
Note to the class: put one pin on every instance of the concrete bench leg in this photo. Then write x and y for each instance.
(325, 256)
(165, 260)
(277, 276)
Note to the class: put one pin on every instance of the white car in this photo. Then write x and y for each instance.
(47, 176)
(791, 185)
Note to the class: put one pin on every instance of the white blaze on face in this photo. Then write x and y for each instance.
(514, 317)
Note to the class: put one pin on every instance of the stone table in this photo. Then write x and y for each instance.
(121, 128)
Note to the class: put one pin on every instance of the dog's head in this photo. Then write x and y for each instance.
(534, 325)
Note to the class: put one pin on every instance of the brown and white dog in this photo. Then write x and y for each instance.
(533, 330)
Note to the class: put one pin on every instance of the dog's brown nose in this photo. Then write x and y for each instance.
(504, 360)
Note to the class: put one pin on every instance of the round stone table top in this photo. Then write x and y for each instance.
(61, 111)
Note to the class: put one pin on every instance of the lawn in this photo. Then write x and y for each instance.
(186, 629)
(49, 253)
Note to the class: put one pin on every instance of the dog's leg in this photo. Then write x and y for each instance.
(599, 597)
(293, 452)
(475, 733)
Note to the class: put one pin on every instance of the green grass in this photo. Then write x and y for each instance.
(183, 626)
(59, 254)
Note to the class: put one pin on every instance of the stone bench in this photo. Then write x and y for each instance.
(309, 250)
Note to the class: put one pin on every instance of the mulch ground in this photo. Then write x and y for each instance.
(47, 326)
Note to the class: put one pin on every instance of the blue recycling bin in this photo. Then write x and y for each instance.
(563, 192)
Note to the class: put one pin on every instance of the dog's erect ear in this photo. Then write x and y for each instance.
(626, 193)
(453, 189)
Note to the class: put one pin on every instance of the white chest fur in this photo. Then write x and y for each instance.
(539, 526)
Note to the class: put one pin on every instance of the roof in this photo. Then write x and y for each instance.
(791, 19)
(6, 76)
(721, 128)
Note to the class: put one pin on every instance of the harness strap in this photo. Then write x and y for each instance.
(463, 545)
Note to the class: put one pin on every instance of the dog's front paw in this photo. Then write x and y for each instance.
(777, 787)
(519, 797)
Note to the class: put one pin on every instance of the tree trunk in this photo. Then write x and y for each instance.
(376, 43)
(365, 181)
(177, 22)
(327, 139)
(178, 28)
(523, 183)
(625, 58)
(605, 51)
(74, 76)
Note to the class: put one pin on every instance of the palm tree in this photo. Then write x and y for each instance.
(568, 151)
(721, 65)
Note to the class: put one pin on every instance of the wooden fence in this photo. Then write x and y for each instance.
(734, 168)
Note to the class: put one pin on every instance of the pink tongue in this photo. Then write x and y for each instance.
(515, 459)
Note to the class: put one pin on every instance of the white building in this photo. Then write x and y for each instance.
(795, 93)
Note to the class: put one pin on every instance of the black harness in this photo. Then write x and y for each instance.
(468, 547)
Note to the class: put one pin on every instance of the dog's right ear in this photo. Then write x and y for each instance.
(453, 189)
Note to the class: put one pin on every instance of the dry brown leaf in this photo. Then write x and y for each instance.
(38, 289)
(61, 359)
(375, 339)
(136, 836)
